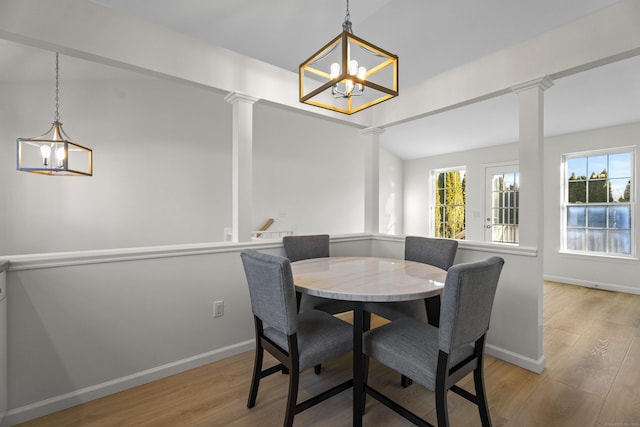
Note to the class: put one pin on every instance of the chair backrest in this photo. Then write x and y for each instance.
(271, 289)
(467, 301)
(432, 251)
(305, 247)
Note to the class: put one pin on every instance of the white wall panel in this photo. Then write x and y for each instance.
(162, 167)
(308, 173)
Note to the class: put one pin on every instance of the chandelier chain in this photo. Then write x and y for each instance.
(347, 17)
(57, 115)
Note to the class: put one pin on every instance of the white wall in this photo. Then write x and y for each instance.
(308, 173)
(593, 271)
(162, 166)
(73, 329)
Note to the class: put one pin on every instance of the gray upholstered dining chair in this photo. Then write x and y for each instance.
(433, 251)
(298, 248)
(427, 250)
(438, 358)
(297, 340)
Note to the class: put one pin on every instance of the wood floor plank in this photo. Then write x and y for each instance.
(555, 404)
(592, 364)
(622, 405)
(592, 348)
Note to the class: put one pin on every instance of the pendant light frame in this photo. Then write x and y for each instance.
(318, 87)
(54, 153)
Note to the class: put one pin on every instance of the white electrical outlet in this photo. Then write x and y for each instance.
(218, 309)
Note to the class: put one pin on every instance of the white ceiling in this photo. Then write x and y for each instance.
(429, 36)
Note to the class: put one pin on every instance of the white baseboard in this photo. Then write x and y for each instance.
(64, 401)
(595, 285)
(529, 364)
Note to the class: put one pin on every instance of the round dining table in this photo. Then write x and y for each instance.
(366, 279)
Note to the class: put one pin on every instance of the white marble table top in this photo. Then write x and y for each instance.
(367, 279)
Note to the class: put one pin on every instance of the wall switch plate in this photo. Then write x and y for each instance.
(218, 309)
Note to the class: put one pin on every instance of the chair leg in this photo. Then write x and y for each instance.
(405, 381)
(255, 380)
(442, 412)
(317, 369)
(481, 395)
(292, 398)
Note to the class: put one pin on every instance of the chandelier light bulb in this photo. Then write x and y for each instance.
(362, 74)
(45, 151)
(60, 157)
(335, 70)
(353, 67)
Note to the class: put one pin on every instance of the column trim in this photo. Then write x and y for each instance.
(234, 97)
(543, 83)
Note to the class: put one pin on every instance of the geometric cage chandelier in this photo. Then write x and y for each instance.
(348, 74)
(53, 153)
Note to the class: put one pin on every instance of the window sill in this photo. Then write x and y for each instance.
(598, 257)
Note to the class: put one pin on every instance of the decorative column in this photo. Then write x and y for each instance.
(531, 154)
(531, 203)
(371, 140)
(242, 158)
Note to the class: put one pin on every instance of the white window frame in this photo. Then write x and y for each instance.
(632, 203)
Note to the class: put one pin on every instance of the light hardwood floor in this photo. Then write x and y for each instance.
(592, 347)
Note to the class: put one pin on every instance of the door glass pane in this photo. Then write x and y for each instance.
(497, 232)
(498, 183)
(509, 181)
(510, 234)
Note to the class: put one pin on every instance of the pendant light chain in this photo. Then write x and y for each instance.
(57, 115)
(346, 25)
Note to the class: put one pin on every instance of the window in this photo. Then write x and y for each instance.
(449, 203)
(599, 202)
(503, 198)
